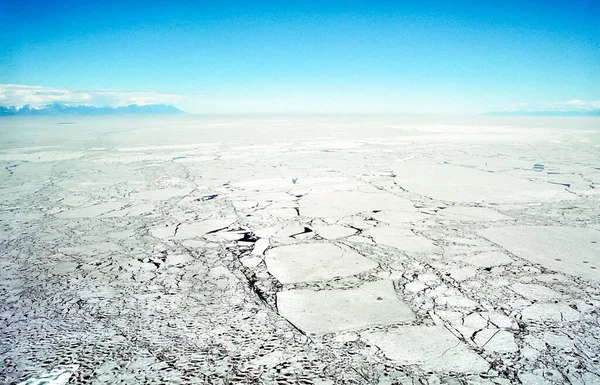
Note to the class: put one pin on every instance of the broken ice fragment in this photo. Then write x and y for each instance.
(532, 379)
(250, 261)
(535, 292)
(178, 259)
(260, 246)
(415, 286)
(496, 340)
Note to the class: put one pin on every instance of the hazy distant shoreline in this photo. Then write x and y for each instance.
(60, 109)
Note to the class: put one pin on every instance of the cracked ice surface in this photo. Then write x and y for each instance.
(300, 250)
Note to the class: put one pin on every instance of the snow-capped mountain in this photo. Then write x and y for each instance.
(69, 109)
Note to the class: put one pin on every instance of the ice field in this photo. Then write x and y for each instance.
(300, 250)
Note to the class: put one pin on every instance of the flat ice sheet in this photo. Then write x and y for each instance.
(487, 259)
(471, 214)
(328, 311)
(189, 230)
(402, 239)
(161, 225)
(343, 203)
(395, 217)
(334, 231)
(462, 184)
(431, 347)
(91, 211)
(314, 261)
(163, 194)
(569, 250)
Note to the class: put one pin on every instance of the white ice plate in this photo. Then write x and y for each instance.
(328, 311)
(314, 262)
(568, 250)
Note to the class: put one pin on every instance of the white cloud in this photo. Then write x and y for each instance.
(574, 105)
(568, 106)
(18, 95)
(595, 105)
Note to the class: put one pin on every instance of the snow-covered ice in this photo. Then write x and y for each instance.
(569, 250)
(328, 311)
(432, 347)
(285, 250)
(314, 262)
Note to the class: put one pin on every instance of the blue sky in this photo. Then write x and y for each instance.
(309, 56)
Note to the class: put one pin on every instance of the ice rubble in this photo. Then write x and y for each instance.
(58, 376)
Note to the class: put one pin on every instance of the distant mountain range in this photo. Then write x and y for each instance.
(57, 109)
(545, 113)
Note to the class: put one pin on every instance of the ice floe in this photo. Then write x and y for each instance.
(327, 311)
(314, 261)
(343, 203)
(432, 347)
(457, 213)
(568, 250)
(402, 239)
(371, 250)
(463, 184)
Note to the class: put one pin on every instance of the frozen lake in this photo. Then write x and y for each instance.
(284, 250)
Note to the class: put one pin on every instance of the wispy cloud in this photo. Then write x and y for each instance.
(19, 95)
(575, 105)
(569, 105)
